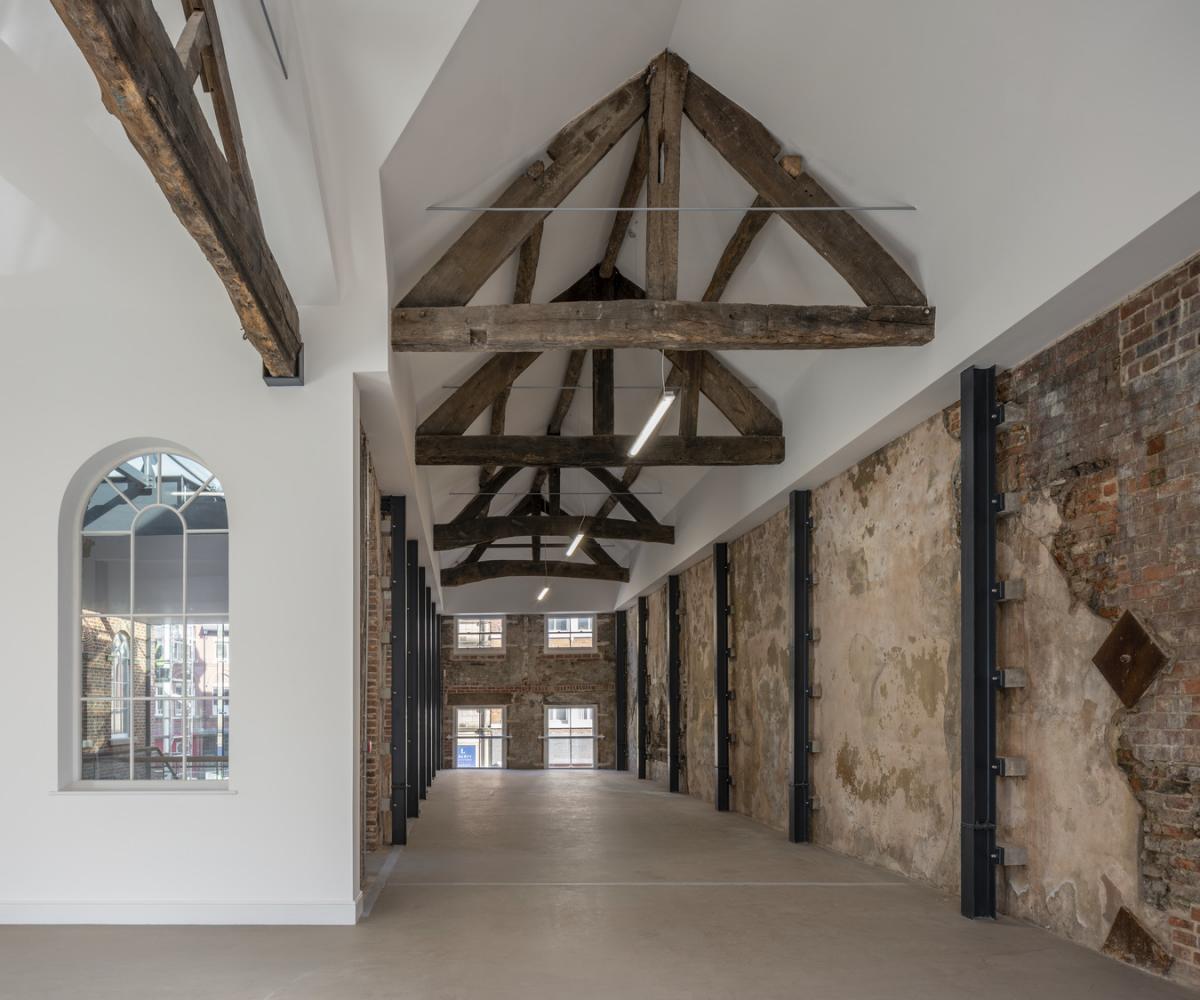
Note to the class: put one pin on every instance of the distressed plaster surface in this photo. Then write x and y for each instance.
(525, 678)
(631, 692)
(656, 701)
(1074, 811)
(696, 645)
(886, 605)
(759, 594)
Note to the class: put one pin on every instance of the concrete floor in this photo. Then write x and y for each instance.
(589, 884)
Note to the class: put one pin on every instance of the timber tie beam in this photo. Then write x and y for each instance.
(147, 83)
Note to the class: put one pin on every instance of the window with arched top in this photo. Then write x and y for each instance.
(154, 621)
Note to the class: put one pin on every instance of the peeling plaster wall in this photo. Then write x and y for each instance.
(696, 636)
(886, 605)
(631, 671)
(758, 675)
(525, 678)
(656, 700)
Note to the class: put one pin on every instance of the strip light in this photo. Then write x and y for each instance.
(574, 544)
(660, 411)
(542, 595)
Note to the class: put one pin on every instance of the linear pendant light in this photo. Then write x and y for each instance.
(660, 411)
(574, 544)
(544, 592)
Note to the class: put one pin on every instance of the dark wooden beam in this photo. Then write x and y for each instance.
(566, 394)
(459, 410)
(692, 365)
(737, 401)
(664, 121)
(695, 326)
(494, 569)
(479, 504)
(603, 403)
(144, 84)
(629, 196)
(491, 238)
(527, 263)
(620, 495)
(489, 529)
(751, 150)
(750, 226)
(192, 43)
(607, 450)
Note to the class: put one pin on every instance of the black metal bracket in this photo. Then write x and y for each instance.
(800, 566)
(674, 686)
(286, 381)
(980, 416)
(721, 689)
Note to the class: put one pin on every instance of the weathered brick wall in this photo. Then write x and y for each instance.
(656, 686)
(1111, 448)
(526, 678)
(375, 664)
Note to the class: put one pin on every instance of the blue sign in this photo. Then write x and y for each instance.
(466, 755)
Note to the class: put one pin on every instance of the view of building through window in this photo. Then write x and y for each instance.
(570, 631)
(154, 622)
(479, 631)
(571, 736)
(479, 737)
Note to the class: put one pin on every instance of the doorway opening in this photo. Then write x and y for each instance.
(570, 736)
(480, 734)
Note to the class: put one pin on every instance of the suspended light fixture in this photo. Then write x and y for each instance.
(660, 411)
(542, 595)
(575, 542)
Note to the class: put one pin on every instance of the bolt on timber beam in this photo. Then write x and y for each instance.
(800, 801)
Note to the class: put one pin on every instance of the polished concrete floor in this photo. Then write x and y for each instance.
(588, 884)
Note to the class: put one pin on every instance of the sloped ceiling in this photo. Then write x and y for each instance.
(1035, 140)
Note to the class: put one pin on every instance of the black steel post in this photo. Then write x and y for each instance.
(674, 685)
(721, 679)
(621, 658)
(435, 700)
(428, 747)
(412, 678)
(979, 416)
(800, 793)
(423, 670)
(643, 685)
(395, 509)
(438, 742)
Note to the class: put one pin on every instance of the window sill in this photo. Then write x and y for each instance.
(146, 788)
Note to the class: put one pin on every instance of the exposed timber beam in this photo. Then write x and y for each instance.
(738, 403)
(603, 403)
(192, 43)
(479, 504)
(605, 450)
(458, 411)
(751, 150)
(634, 183)
(707, 326)
(620, 495)
(491, 529)
(491, 238)
(145, 85)
(692, 364)
(494, 569)
(750, 226)
(664, 122)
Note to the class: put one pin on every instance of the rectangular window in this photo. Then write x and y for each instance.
(570, 632)
(479, 632)
(479, 737)
(570, 736)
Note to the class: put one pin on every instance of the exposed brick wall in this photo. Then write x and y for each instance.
(1113, 437)
(525, 678)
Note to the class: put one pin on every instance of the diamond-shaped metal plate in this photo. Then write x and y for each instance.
(1129, 659)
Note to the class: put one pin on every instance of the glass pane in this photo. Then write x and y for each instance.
(581, 752)
(100, 635)
(158, 562)
(558, 752)
(102, 758)
(206, 512)
(159, 757)
(469, 720)
(105, 584)
(180, 479)
(208, 573)
(582, 717)
(208, 649)
(491, 753)
(466, 753)
(137, 480)
(160, 669)
(106, 511)
(208, 739)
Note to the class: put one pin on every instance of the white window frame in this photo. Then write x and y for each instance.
(557, 650)
(503, 737)
(595, 737)
(481, 650)
(71, 778)
(122, 681)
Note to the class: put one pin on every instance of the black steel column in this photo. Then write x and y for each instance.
(674, 685)
(643, 686)
(412, 678)
(979, 417)
(440, 749)
(800, 793)
(721, 679)
(423, 669)
(427, 745)
(435, 701)
(395, 509)
(621, 656)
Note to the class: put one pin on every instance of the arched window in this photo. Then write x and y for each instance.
(154, 618)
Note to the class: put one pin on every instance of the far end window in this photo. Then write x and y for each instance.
(570, 632)
(479, 632)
